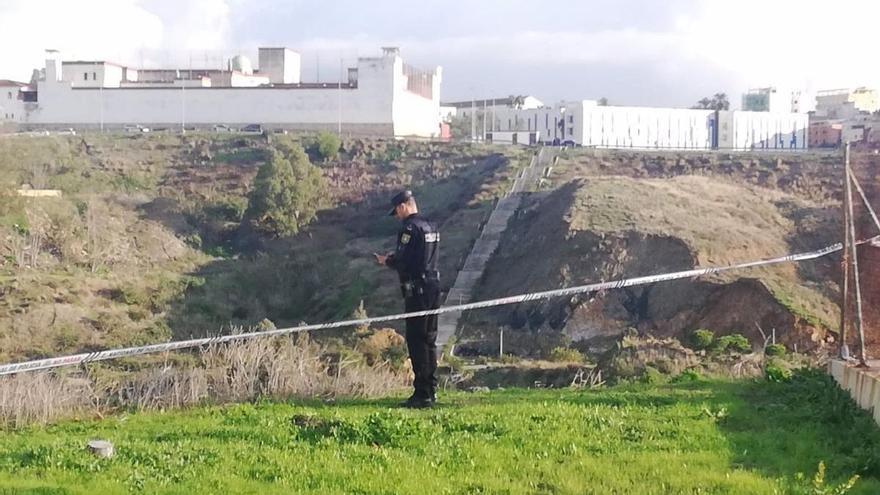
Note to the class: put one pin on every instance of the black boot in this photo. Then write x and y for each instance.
(417, 402)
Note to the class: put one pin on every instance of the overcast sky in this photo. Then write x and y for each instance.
(634, 52)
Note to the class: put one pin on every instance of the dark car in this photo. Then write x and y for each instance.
(568, 142)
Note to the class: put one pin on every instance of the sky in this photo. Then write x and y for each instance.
(633, 52)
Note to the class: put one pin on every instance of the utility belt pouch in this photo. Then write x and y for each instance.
(411, 289)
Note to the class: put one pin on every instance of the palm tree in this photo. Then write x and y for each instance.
(516, 101)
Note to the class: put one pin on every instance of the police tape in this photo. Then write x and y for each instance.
(42, 364)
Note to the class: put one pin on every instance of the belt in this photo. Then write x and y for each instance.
(416, 286)
(428, 275)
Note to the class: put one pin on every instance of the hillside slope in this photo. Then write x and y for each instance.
(609, 223)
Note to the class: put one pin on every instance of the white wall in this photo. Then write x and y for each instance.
(413, 114)
(92, 74)
(11, 107)
(281, 65)
(379, 104)
(646, 127)
(589, 124)
(765, 130)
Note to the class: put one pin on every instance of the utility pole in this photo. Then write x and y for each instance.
(339, 102)
(485, 116)
(473, 119)
(101, 110)
(493, 114)
(183, 108)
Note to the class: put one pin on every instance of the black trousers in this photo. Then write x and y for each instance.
(421, 339)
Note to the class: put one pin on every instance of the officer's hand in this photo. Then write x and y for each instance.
(380, 258)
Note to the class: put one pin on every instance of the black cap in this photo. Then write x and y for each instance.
(399, 199)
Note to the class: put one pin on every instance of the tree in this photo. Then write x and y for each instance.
(603, 102)
(328, 145)
(516, 101)
(287, 193)
(718, 101)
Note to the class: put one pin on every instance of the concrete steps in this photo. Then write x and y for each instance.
(462, 290)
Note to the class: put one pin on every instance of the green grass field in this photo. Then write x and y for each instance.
(697, 437)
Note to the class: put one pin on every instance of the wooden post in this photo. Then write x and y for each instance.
(855, 263)
(843, 350)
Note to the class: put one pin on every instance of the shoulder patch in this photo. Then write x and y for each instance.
(404, 238)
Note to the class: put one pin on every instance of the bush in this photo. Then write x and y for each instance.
(775, 371)
(818, 486)
(688, 376)
(566, 355)
(732, 343)
(328, 145)
(702, 339)
(775, 350)
(288, 191)
(652, 376)
(509, 359)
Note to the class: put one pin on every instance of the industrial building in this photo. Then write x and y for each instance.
(380, 96)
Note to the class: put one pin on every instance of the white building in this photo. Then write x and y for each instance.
(766, 100)
(493, 109)
(11, 101)
(381, 96)
(588, 124)
(846, 103)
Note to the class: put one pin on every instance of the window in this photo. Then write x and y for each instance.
(571, 119)
(9, 95)
(571, 131)
(546, 120)
(94, 76)
(85, 76)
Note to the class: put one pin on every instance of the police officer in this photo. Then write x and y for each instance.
(415, 260)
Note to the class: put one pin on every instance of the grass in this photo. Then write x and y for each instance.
(697, 437)
(713, 218)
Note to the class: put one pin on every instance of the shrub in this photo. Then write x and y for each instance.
(509, 359)
(382, 344)
(688, 376)
(566, 355)
(702, 339)
(818, 486)
(288, 191)
(732, 343)
(652, 376)
(775, 350)
(328, 145)
(775, 371)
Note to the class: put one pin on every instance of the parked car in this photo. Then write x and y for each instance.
(253, 128)
(135, 128)
(569, 142)
(221, 128)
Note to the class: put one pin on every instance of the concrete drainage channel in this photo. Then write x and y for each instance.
(487, 242)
